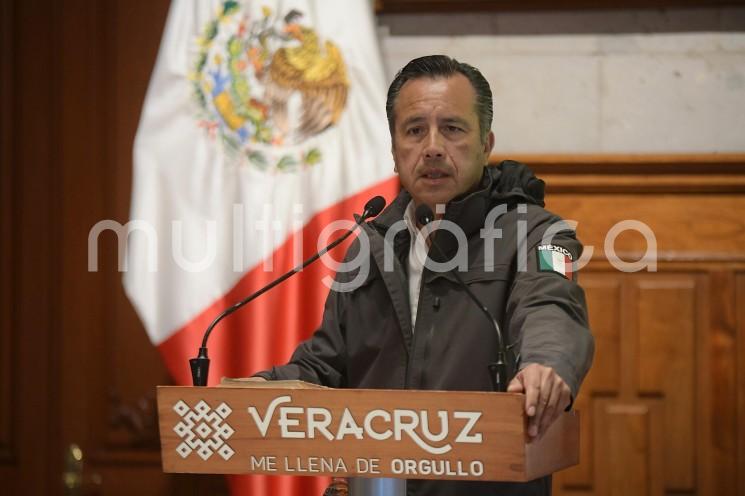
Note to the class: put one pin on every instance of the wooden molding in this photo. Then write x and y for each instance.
(643, 173)
(673, 258)
(454, 6)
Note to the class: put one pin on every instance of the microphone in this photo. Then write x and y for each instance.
(201, 364)
(497, 370)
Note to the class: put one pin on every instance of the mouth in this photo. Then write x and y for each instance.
(434, 174)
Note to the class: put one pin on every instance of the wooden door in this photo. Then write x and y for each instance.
(76, 367)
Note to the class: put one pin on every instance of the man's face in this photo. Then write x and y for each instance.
(437, 145)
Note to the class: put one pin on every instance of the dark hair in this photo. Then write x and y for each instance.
(434, 66)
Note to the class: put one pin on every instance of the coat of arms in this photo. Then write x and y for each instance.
(266, 84)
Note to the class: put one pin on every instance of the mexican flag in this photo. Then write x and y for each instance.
(552, 258)
(263, 123)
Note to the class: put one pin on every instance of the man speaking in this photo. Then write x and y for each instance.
(407, 322)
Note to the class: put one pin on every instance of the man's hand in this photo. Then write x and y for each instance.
(546, 396)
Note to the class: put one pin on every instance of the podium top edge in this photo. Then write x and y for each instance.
(326, 390)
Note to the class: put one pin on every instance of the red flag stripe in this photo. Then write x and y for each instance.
(269, 328)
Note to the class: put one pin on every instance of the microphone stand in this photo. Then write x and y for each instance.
(201, 364)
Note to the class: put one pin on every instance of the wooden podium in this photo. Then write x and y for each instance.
(293, 428)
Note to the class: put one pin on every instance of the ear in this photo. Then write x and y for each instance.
(393, 154)
(488, 145)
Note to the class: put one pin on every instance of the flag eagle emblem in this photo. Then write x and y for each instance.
(266, 84)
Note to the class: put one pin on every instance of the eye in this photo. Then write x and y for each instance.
(415, 131)
(452, 128)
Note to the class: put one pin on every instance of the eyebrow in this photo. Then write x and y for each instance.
(448, 120)
(456, 120)
(413, 120)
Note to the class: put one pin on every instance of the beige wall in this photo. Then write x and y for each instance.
(596, 82)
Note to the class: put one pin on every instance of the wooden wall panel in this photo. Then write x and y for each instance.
(740, 362)
(82, 118)
(627, 444)
(717, 383)
(668, 346)
(604, 302)
(603, 292)
(666, 366)
(33, 236)
(6, 245)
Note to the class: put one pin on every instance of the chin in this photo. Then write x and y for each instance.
(433, 196)
(433, 201)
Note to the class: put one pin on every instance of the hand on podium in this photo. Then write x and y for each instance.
(546, 396)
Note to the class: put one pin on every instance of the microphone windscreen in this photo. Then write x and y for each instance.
(374, 206)
(424, 214)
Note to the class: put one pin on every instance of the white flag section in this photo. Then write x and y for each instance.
(263, 122)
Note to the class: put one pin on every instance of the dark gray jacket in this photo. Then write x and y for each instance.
(366, 339)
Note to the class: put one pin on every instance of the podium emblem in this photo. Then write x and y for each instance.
(203, 430)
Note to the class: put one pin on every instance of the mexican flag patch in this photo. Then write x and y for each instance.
(552, 258)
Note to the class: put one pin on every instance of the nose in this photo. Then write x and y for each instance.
(434, 147)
